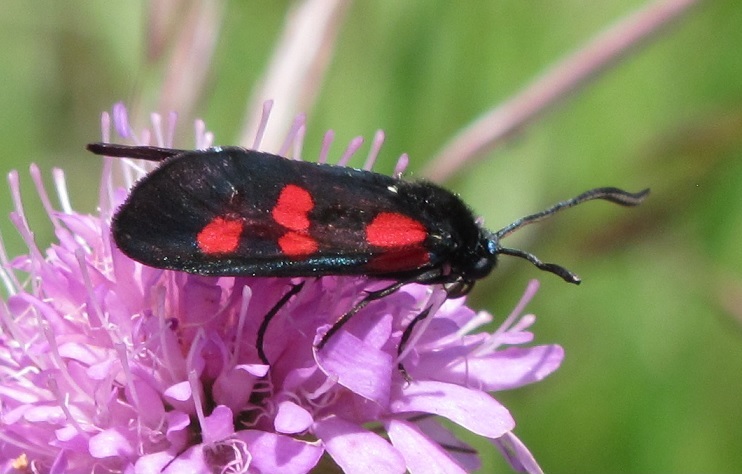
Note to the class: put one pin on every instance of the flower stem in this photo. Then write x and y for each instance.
(567, 75)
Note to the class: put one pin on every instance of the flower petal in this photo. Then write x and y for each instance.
(192, 460)
(154, 463)
(422, 455)
(472, 409)
(516, 453)
(234, 386)
(110, 443)
(278, 453)
(177, 423)
(218, 425)
(501, 370)
(360, 367)
(464, 454)
(149, 401)
(357, 450)
(292, 418)
(517, 366)
(180, 391)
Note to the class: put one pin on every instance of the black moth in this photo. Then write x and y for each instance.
(235, 212)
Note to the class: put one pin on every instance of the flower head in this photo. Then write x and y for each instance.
(111, 366)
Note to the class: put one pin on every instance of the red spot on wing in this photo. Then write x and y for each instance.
(297, 245)
(221, 235)
(393, 230)
(398, 261)
(292, 211)
(292, 208)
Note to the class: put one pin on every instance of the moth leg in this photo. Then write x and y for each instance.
(269, 316)
(458, 289)
(370, 296)
(424, 278)
(406, 336)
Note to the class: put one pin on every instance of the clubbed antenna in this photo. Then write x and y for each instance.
(614, 195)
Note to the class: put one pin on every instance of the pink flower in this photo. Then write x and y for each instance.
(111, 366)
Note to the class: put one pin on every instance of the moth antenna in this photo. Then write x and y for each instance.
(557, 270)
(614, 195)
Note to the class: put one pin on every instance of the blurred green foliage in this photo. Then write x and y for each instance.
(651, 380)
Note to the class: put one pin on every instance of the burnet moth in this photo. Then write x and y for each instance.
(229, 211)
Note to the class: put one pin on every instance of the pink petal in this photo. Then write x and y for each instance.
(110, 443)
(103, 369)
(153, 463)
(360, 367)
(474, 410)
(218, 425)
(22, 395)
(70, 439)
(501, 370)
(48, 414)
(233, 387)
(516, 366)
(177, 423)
(193, 460)
(291, 418)
(61, 463)
(422, 455)
(84, 353)
(464, 454)
(357, 450)
(180, 391)
(517, 454)
(278, 453)
(151, 408)
(258, 370)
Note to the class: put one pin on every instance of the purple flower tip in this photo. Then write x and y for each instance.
(110, 366)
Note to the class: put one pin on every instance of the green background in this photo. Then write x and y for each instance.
(651, 380)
